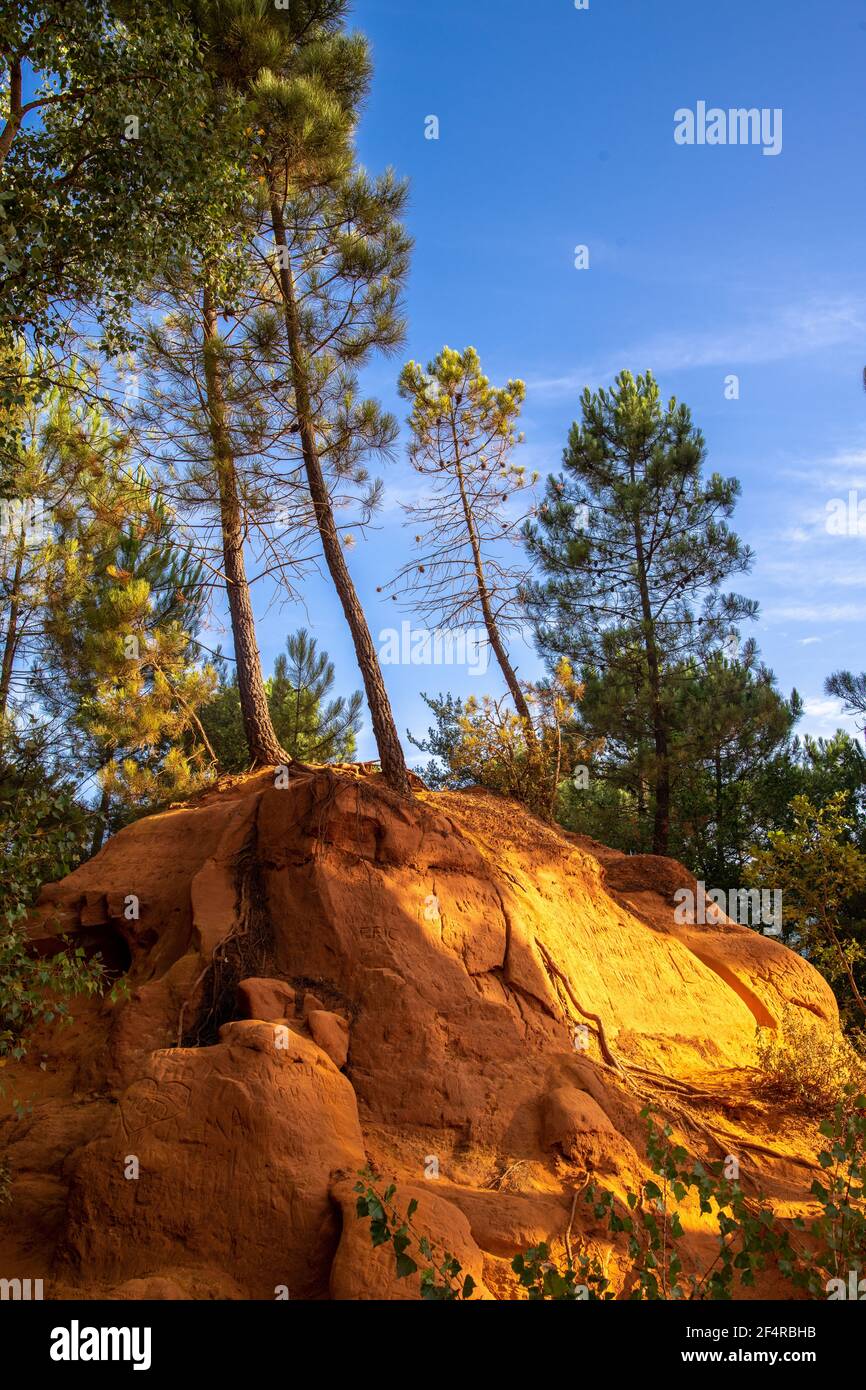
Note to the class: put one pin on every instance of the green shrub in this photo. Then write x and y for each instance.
(43, 834)
(801, 1064)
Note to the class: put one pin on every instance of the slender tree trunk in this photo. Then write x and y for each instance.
(662, 814)
(845, 963)
(10, 644)
(13, 122)
(102, 821)
(719, 796)
(263, 744)
(384, 729)
(490, 623)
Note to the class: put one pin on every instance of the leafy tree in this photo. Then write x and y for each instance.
(108, 152)
(630, 539)
(442, 740)
(817, 768)
(463, 431)
(483, 743)
(43, 834)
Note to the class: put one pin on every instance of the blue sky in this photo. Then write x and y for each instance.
(556, 129)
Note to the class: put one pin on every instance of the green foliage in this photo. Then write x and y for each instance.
(309, 726)
(441, 1277)
(851, 690)
(634, 546)
(582, 1281)
(441, 742)
(821, 873)
(101, 607)
(91, 202)
(605, 812)
(463, 432)
(731, 721)
(43, 833)
(751, 1239)
(802, 1066)
(118, 659)
(484, 743)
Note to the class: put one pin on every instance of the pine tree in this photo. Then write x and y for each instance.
(731, 723)
(308, 728)
(262, 741)
(212, 425)
(117, 666)
(463, 431)
(631, 539)
(312, 727)
(338, 252)
(851, 690)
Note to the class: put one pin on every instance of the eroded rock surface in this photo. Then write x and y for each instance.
(324, 976)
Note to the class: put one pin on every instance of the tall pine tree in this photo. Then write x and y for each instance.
(634, 546)
(338, 252)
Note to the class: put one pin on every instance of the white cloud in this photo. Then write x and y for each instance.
(822, 716)
(795, 331)
(821, 707)
(817, 612)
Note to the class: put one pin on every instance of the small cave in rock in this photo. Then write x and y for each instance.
(110, 945)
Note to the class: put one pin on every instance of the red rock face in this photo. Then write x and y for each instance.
(325, 975)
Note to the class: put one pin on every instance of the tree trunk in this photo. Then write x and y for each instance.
(10, 645)
(263, 744)
(490, 623)
(384, 729)
(662, 814)
(101, 822)
(13, 123)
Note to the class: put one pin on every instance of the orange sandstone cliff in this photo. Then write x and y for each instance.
(324, 976)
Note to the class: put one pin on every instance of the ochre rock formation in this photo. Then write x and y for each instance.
(325, 976)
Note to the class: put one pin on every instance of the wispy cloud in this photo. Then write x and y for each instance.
(822, 707)
(794, 332)
(816, 612)
(845, 469)
(822, 716)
